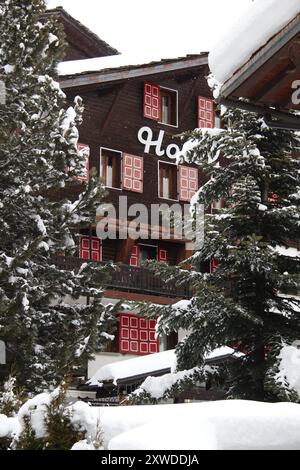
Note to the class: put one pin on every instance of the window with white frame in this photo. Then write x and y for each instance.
(161, 104)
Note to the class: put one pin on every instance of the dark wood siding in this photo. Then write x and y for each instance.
(114, 114)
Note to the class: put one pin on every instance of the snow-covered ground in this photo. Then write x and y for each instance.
(222, 425)
(219, 425)
(262, 20)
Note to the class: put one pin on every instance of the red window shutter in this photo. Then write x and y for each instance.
(91, 249)
(188, 182)
(213, 265)
(152, 102)
(162, 255)
(133, 173)
(206, 113)
(85, 248)
(135, 256)
(137, 335)
(84, 151)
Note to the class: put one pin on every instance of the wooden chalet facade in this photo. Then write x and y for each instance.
(124, 106)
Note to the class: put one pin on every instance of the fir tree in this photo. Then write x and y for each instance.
(45, 326)
(250, 303)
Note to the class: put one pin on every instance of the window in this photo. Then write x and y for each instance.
(137, 335)
(161, 104)
(110, 168)
(218, 120)
(168, 107)
(188, 182)
(147, 252)
(90, 249)
(217, 205)
(143, 252)
(206, 113)
(167, 181)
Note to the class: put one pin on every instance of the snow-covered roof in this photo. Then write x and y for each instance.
(259, 23)
(147, 365)
(120, 61)
(132, 367)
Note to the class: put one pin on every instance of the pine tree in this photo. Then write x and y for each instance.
(244, 304)
(45, 326)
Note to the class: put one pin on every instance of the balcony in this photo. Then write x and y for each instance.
(130, 279)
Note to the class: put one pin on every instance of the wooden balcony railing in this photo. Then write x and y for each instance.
(130, 279)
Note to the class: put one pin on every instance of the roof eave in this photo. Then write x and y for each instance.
(84, 29)
(261, 57)
(112, 75)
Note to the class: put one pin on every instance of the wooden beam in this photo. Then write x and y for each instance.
(270, 85)
(277, 85)
(188, 100)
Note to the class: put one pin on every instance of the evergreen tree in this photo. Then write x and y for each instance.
(45, 326)
(244, 304)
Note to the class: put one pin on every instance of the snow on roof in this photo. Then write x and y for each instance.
(133, 367)
(220, 425)
(144, 365)
(259, 23)
(98, 64)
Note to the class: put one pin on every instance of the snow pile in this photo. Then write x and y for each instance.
(261, 21)
(36, 408)
(136, 366)
(98, 64)
(289, 368)
(219, 425)
(9, 427)
(156, 387)
(289, 252)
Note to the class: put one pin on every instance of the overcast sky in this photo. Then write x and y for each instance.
(167, 27)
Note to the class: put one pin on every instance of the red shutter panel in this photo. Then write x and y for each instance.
(84, 151)
(85, 248)
(137, 335)
(152, 102)
(188, 182)
(162, 255)
(213, 265)
(133, 173)
(135, 256)
(206, 113)
(91, 249)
